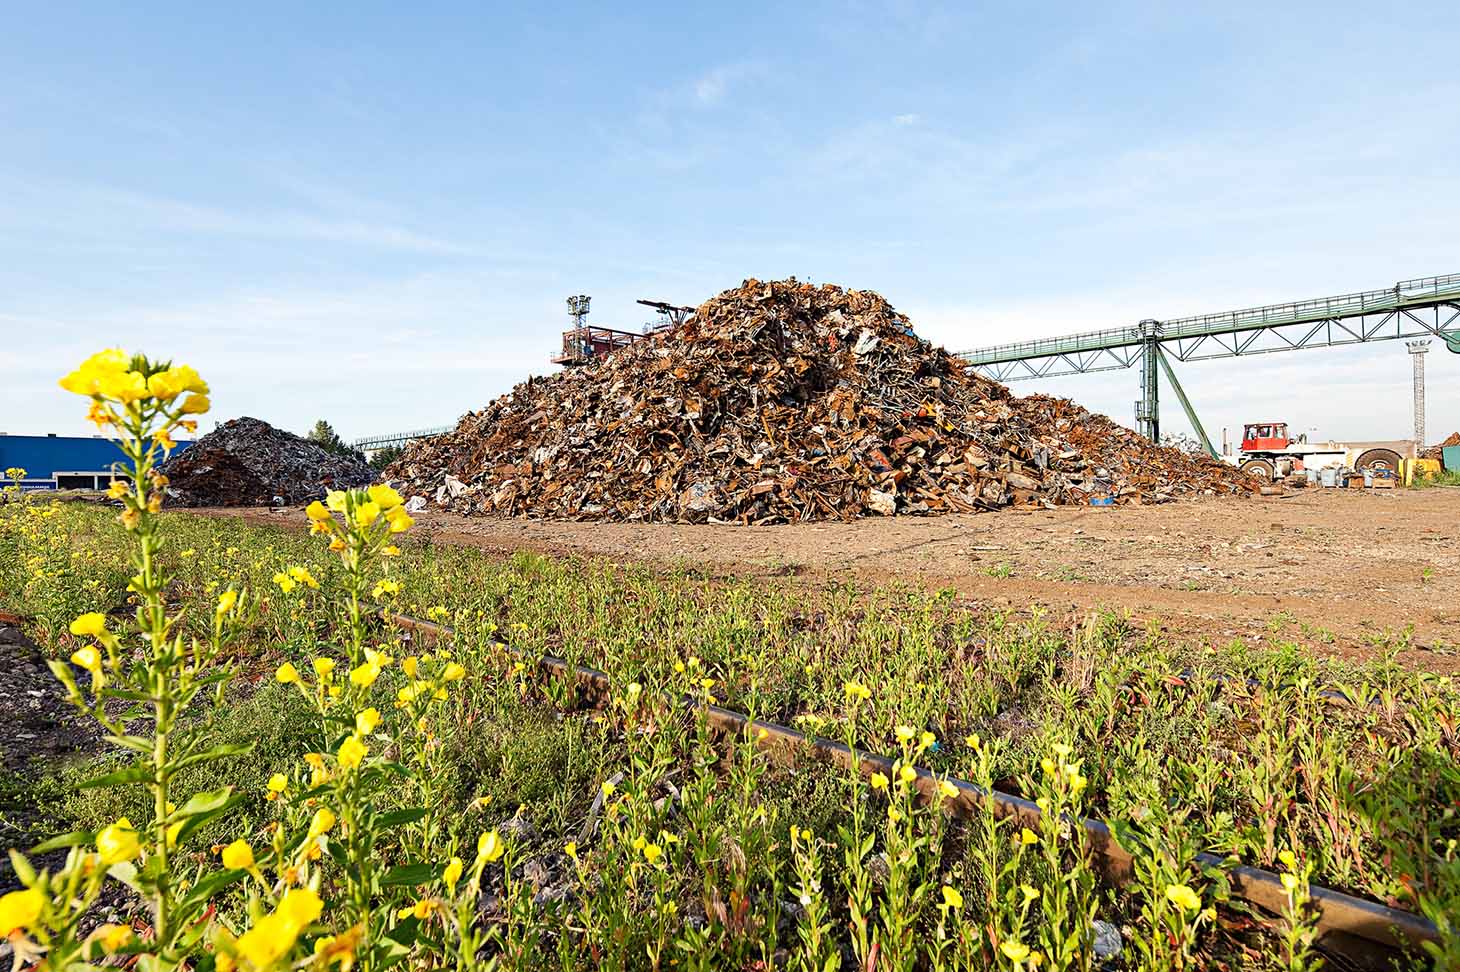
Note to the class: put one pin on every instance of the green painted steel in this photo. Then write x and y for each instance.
(1186, 404)
(1421, 292)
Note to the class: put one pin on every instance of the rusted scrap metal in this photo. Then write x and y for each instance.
(780, 402)
(1436, 451)
(1365, 933)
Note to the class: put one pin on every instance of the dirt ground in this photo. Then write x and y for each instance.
(1341, 572)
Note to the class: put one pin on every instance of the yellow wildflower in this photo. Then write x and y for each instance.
(113, 938)
(323, 667)
(352, 751)
(490, 847)
(1027, 836)
(323, 822)
(238, 856)
(88, 658)
(408, 665)
(952, 898)
(336, 500)
(316, 511)
(20, 910)
(117, 842)
(1183, 897)
(452, 874)
(906, 775)
(366, 720)
(878, 781)
(226, 601)
(277, 784)
(367, 513)
(1015, 951)
(385, 497)
(287, 674)
(90, 624)
(364, 674)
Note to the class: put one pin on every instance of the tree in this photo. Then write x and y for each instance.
(324, 435)
(385, 456)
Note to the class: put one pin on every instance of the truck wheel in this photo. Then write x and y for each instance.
(1379, 459)
(1261, 468)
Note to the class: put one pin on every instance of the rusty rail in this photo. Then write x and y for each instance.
(1362, 931)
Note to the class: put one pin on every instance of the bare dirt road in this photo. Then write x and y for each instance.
(1343, 572)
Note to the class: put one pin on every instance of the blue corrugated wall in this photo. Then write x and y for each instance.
(42, 456)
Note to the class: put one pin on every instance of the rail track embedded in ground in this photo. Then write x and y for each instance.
(1363, 932)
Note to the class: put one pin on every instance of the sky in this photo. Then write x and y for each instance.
(372, 212)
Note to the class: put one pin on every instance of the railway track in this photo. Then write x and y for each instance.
(1363, 933)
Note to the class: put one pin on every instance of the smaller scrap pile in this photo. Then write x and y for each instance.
(780, 402)
(248, 462)
(1437, 451)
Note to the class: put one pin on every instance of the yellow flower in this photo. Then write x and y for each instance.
(652, 853)
(366, 720)
(947, 790)
(1290, 882)
(117, 488)
(1015, 951)
(196, 405)
(905, 733)
(400, 521)
(20, 910)
(303, 576)
(367, 513)
(384, 496)
(287, 673)
(91, 624)
(1047, 765)
(878, 781)
(856, 690)
(571, 849)
(906, 775)
(227, 600)
(408, 665)
(273, 935)
(88, 658)
(1029, 893)
(1289, 859)
(316, 511)
(1061, 750)
(452, 874)
(113, 938)
(490, 847)
(117, 842)
(952, 898)
(324, 667)
(607, 789)
(453, 673)
(285, 582)
(352, 751)
(100, 367)
(1183, 897)
(1027, 836)
(336, 500)
(238, 856)
(364, 674)
(385, 586)
(973, 741)
(278, 783)
(323, 822)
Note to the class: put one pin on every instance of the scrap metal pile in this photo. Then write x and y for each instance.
(1437, 450)
(248, 462)
(779, 402)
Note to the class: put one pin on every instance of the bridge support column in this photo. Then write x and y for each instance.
(1148, 408)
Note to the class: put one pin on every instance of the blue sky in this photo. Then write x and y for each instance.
(373, 212)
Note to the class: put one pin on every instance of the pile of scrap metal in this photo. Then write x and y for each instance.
(1437, 451)
(781, 402)
(248, 462)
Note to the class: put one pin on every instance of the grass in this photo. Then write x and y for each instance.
(1227, 749)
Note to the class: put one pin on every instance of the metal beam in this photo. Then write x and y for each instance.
(1186, 404)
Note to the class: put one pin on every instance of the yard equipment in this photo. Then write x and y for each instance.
(1268, 451)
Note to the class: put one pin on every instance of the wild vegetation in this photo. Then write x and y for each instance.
(286, 781)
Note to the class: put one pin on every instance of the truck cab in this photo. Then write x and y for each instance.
(1265, 437)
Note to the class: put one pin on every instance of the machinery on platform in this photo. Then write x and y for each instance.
(584, 342)
(1267, 450)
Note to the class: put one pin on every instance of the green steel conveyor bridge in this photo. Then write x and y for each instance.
(1425, 307)
(372, 442)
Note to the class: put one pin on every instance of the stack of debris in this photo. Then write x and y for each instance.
(246, 462)
(1436, 451)
(782, 402)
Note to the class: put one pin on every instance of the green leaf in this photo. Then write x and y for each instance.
(136, 773)
(206, 817)
(22, 867)
(136, 744)
(204, 890)
(74, 839)
(125, 872)
(205, 802)
(397, 817)
(408, 874)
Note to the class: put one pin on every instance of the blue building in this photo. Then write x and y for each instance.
(62, 461)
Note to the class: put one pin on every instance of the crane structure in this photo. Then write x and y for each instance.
(1426, 307)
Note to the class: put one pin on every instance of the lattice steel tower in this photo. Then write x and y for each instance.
(578, 309)
(1417, 351)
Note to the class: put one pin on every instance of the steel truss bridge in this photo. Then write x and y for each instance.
(1424, 307)
(372, 442)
